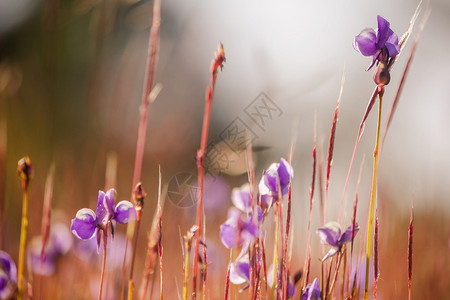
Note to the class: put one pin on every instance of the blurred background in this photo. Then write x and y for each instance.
(71, 76)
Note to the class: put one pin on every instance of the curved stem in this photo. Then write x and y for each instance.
(374, 186)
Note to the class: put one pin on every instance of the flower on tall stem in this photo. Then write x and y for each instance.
(271, 279)
(332, 235)
(87, 224)
(380, 43)
(59, 244)
(240, 230)
(275, 182)
(241, 198)
(8, 276)
(240, 270)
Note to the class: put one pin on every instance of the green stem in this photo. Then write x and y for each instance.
(372, 200)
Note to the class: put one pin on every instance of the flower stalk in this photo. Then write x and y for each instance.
(139, 196)
(374, 187)
(102, 276)
(25, 171)
(148, 97)
(217, 62)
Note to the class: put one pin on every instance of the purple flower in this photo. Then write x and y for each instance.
(271, 278)
(8, 275)
(87, 223)
(332, 235)
(241, 198)
(380, 43)
(312, 291)
(58, 245)
(276, 180)
(240, 270)
(240, 230)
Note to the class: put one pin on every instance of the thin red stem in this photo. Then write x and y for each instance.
(103, 263)
(217, 62)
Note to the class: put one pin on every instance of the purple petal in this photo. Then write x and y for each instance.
(291, 289)
(392, 45)
(330, 253)
(271, 179)
(266, 201)
(240, 271)
(241, 198)
(285, 174)
(229, 235)
(109, 200)
(270, 276)
(5, 292)
(365, 42)
(374, 59)
(83, 225)
(8, 266)
(7, 287)
(124, 212)
(234, 217)
(44, 267)
(330, 234)
(60, 238)
(102, 214)
(249, 232)
(383, 31)
(258, 214)
(312, 291)
(347, 235)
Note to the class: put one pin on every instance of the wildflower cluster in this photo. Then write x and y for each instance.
(243, 230)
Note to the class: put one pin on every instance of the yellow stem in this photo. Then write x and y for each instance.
(23, 241)
(275, 254)
(130, 289)
(186, 272)
(372, 200)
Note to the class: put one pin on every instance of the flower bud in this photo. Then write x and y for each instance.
(25, 170)
(381, 74)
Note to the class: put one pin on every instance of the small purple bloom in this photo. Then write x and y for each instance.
(59, 244)
(380, 43)
(312, 291)
(241, 198)
(332, 235)
(271, 278)
(87, 223)
(8, 275)
(240, 230)
(240, 270)
(276, 180)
